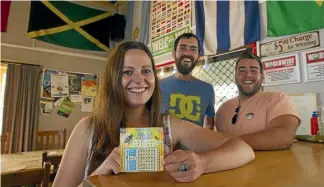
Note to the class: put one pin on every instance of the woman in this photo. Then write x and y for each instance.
(129, 96)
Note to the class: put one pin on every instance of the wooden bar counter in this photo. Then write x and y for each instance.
(300, 166)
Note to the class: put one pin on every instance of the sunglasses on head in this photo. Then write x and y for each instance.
(236, 112)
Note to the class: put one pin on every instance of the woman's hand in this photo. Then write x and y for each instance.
(189, 162)
(111, 165)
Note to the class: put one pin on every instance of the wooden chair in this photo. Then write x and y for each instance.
(55, 161)
(40, 135)
(5, 143)
(27, 177)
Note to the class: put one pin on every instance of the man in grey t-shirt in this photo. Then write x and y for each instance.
(183, 95)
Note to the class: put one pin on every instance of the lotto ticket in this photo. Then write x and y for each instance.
(142, 149)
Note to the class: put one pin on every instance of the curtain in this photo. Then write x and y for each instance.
(21, 105)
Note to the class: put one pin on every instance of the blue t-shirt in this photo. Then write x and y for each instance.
(188, 100)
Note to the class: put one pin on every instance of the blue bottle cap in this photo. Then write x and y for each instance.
(315, 114)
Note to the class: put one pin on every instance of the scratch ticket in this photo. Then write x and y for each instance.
(142, 149)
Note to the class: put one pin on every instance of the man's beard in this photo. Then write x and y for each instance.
(185, 70)
(256, 89)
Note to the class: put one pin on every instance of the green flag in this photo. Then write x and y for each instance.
(290, 17)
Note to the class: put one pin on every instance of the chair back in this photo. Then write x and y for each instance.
(55, 161)
(27, 177)
(42, 140)
(5, 143)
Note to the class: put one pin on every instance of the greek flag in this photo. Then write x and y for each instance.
(225, 25)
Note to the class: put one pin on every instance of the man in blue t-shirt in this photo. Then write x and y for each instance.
(183, 95)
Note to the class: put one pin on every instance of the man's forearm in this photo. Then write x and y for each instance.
(274, 138)
(232, 154)
(209, 126)
(209, 123)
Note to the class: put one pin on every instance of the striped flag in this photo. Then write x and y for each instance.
(225, 25)
(138, 20)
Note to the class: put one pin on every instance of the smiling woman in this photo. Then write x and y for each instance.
(138, 78)
(129, 96)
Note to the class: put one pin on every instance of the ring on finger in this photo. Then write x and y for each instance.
(183, 166)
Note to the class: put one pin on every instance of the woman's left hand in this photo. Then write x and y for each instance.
(191, 163)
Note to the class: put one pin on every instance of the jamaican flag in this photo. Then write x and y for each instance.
(71, 25)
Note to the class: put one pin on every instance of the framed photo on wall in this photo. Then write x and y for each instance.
(281, 70)
(313, 62)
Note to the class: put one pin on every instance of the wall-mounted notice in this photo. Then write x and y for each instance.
(66, 107)
(74, 85)
(89, 85)
(281, 70)
(46, 106)
(313, 65)
(59, 85)
(290, 44)
(46, 88)
(87, 104)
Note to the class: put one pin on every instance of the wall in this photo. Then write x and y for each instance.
(303, 87)
(17, 47)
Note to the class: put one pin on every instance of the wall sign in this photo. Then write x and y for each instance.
(293, 43)
(313, 65)
(281, 70)
(169, 20)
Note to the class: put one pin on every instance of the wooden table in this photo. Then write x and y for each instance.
(25, 160)
(300, 166)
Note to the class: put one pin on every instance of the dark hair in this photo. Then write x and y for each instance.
(248, 55)
(109, 111)
(187, 36)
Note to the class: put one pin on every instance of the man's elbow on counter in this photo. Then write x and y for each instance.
(248, 151)
(251, 155)
(287, 144)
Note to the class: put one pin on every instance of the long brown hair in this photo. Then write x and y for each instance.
(109, 111)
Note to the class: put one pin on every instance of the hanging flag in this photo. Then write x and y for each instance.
(290, 17)
(71, 25)
(5, 7)
(225, 25)
(138, 20)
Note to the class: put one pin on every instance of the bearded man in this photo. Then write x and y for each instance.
(185, 96)
(264, 120)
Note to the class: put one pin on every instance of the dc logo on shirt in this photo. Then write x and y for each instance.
(186, 106)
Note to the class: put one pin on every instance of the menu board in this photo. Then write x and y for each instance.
(314, 65)
(281, 70)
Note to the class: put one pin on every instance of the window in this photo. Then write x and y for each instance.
(221, 75)
(2, 91)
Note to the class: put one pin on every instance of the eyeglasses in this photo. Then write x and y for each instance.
(237, 110)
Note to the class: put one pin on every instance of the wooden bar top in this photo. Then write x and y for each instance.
(300, 166)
